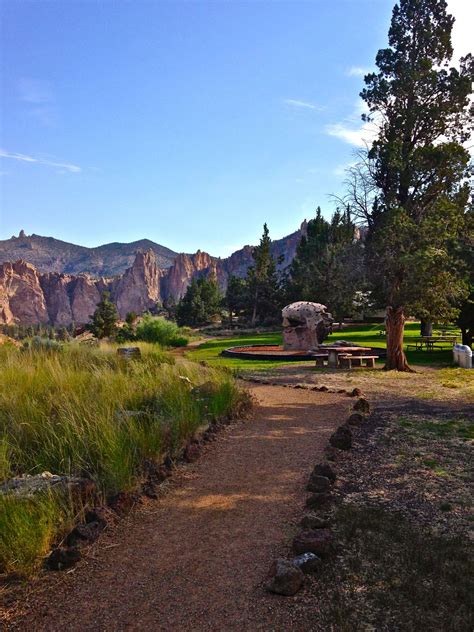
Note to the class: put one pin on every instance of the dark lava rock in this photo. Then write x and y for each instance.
(84, 534)
(316, 501)
(362, 406)
(356, 419)
(324, 469)
(313, 521)
(318, 484)
(155, 471)
(149, 490)
(308, 562)
(123, 502)
(98, 514)
(356, 392)
(285, 578)
(62, 558)
(317, 541)
(341, 439)
(192, 452)
(330, 453)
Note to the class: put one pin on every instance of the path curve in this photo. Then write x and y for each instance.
(196, 559)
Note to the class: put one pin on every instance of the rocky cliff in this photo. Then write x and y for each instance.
(138, 289)
(50, 294)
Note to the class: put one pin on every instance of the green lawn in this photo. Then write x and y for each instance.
(364, 335)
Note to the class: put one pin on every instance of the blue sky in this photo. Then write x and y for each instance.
(189, 123)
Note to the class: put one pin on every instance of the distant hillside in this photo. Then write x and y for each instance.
(48, 254)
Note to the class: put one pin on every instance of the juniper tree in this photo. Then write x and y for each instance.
(104, 320)
(420, 168)
(262, 282)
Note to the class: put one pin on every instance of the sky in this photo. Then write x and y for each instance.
(187, 123)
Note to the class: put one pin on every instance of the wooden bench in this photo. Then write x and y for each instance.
(359, 361)
(345, 361)
(321, 358)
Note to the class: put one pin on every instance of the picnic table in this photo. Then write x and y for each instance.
(335, 351)
(429, 342)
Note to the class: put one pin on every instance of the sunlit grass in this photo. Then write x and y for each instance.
(363, 335)
(86, 412)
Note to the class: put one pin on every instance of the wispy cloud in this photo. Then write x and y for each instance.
(64, 166)
(352, 130)
(357, 71)
(295, 103)
(39, 99)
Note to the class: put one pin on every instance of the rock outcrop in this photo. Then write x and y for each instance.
(21, 296)
(184, 269)
(59, 283)
(138, 289)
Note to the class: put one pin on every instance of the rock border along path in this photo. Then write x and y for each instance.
(197, 558)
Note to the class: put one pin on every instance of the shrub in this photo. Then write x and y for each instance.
(159, 330)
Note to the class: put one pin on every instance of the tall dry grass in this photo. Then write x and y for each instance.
(85, 412)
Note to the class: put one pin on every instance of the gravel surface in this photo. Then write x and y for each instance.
(197, 558)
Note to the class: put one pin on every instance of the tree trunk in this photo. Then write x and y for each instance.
(426, 328)
(254, 313)
(395, 326)
(467, 335)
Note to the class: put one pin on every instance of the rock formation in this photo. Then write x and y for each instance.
(138, 289)
(59, 283)
(184, 269)
(21, 296)
(305, 325)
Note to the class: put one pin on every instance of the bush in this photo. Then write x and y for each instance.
(46, 345)
(161, 331)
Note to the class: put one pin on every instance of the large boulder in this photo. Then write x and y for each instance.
(305, 325)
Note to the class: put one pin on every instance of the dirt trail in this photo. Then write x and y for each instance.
(196, 559)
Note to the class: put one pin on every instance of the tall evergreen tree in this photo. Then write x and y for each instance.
(104, 320)
(262, 282)
(420, 168)
(236, 297)
(201, 302)
(328, 265)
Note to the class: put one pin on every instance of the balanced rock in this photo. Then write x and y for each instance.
(286, 578)
(317, 541)
(341, 439)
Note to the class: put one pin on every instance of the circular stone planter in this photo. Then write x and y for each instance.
(267, 352)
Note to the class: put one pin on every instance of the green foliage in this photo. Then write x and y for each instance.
(200, 304)
(27, 528)
(46, 345)
(263, 288)
(236, 297)
(418, 162)
(104, 320)
(328, 265)
(161, 331)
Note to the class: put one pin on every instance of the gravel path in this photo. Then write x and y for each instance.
(196, 559)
